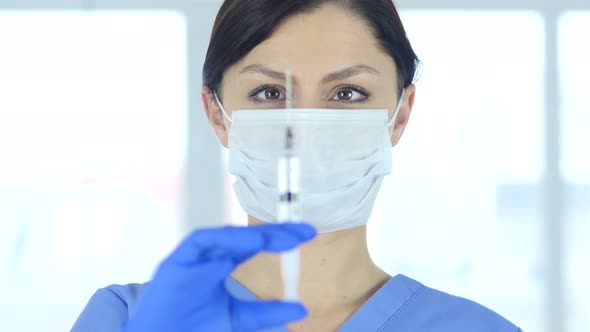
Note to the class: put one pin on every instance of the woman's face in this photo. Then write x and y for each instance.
(335, 62)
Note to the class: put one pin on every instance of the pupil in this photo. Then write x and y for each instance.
(272, 94)
(345, 95)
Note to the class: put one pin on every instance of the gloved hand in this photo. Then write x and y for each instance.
(188, 290)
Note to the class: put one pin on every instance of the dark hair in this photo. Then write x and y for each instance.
(243, 24)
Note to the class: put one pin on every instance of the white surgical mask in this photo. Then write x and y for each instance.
(344, 156)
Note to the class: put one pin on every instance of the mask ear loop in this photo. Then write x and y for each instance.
(221, 107)
(397, 109)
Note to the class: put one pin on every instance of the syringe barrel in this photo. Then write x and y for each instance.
(289, 186)
(289, 175)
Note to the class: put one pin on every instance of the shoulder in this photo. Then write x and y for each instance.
(435, 310)
(109, 308)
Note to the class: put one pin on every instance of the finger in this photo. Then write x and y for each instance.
(285, 236)
(185, 290)
(304, 231)
(252, 316)
(240, 243)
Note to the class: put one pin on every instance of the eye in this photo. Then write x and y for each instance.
(351, 94)
(267, 94)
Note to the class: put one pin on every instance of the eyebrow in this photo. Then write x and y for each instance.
(335, 76)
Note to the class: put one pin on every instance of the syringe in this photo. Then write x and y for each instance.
(289, 206)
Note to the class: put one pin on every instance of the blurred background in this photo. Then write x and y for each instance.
(107, 161)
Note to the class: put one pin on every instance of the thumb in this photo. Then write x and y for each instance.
(255, 315)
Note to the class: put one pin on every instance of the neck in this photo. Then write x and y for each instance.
(336, 271)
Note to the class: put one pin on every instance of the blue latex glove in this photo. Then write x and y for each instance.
(188, 290)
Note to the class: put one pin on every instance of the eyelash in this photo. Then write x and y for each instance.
(261, 88)
(352, 87)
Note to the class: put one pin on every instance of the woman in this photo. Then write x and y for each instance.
(350, 55)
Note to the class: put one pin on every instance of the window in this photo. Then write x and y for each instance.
(92, 142)
(575, 76)
(460, 210)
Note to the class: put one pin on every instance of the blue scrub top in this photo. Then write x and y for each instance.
(401, 305)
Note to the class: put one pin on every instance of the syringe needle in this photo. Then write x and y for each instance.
(289, 88)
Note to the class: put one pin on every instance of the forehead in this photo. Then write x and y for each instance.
(321, 41)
